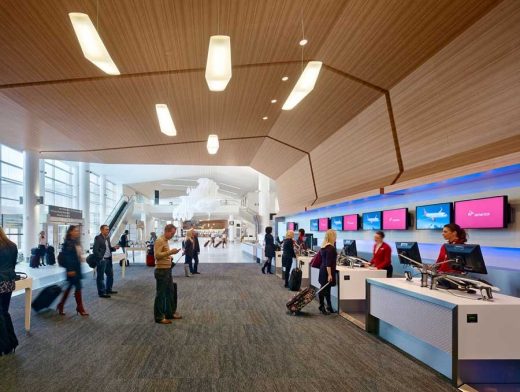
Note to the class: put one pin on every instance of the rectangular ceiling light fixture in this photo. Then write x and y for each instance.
(165, 120)
(218, 66)
(304, 85)
(91, 44)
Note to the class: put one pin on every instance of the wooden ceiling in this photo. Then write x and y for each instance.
(54, 101)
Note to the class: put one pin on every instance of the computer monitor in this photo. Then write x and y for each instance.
(410, 250)
(309, 239)
(467, 258)
(349, 248)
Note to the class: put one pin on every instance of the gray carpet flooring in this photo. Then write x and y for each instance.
(235, 336)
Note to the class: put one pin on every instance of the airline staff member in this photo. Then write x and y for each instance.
(454, 234)
(382, 254)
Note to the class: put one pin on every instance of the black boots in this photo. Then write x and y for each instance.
(267, 266)
(61, 305)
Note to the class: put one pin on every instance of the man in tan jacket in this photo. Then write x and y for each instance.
(165, 298)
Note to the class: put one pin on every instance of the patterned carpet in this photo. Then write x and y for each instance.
(235, 336)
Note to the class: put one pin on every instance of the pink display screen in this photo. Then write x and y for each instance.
(290, 225)
(350, 222)
(323, 224)
(395, 219)
(488, 213)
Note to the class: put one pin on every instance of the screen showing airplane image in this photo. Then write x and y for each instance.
(336, 223)
(350, 222)
(433, 216)
(395, 219)
(488, 213)
(314, 225)
(372, 220)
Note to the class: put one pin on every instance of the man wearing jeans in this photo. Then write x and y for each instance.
(165, 305)
(103, 252)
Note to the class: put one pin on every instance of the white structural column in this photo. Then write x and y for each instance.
(84, 202)
(31, 210)
(263, 201)
(231, 229)
(103, 198)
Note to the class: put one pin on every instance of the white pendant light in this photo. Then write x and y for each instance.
(165, 120)
(213, 144)
(304, 85)
(91, 44)
(218, 66)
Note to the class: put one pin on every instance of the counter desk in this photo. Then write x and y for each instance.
(466, 339)
(26, 285)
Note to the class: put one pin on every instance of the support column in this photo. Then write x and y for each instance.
(84, 202)
(31, 210)
(263, 202)
(231, 229)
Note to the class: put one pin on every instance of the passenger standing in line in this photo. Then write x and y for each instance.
(327, 274)
(42, 246)
(288, 255)
(8, 256)
(188, 253)
(224, 239)
(269, 249)
(453, 234)
(71, 251)
(103, 251)
(196, 251)
(382, 254)
(165, 305)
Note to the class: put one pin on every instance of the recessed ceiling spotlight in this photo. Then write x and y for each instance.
(273, 101)
(303, 42)
(265, 118)
(285, 78)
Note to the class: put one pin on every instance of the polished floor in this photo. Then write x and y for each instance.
(235, 336)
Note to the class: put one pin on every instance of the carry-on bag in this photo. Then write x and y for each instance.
(316, 260)
(218, 244)
(206, 243)
(150, 260)
(295, 279)
(50, 256)
(302, 299)
(34, 261)
(46, 297)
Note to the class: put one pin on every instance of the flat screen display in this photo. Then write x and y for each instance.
(372, 220)
(292, 226)
(323, 224)
(433, 216)
(314, 225)
(487, 213)
(336, 223)
(395, 219)
(351, 222)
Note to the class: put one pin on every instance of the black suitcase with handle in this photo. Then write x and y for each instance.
(45, 299)
(295, 279)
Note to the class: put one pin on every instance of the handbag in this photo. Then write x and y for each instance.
(316, 260)
(92, 260)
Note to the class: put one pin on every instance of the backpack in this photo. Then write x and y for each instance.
(92, 260)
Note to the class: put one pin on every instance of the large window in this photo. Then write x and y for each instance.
(11, 177)
(95, 205)
(59, 177)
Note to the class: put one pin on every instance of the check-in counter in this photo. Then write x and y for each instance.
(278, 264)
(304, 262)
(468, 340)
(253, 250)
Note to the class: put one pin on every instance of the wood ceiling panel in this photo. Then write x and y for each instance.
(358, 157)
(381, 41)
(334, 101)
(38, 43)
(273, 158)
(231, 153)
(295, 187)
(463, 104)
(121, 112)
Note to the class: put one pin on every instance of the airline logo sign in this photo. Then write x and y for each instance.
(480, 214)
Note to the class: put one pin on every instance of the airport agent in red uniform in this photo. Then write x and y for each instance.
(453, 234)
(382, 254)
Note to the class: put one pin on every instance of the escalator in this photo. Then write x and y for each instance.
(118, 218)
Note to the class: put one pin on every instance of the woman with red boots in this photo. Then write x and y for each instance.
(71, 254)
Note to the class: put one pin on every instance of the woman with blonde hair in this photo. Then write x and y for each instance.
(188, 253)
(327, 274)
(8, 255)
(288, 255)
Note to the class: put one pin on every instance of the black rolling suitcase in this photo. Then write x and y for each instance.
(34, 261)
(295, 279)
(50, 256)
(302, 299)
(217, 244)
(46, 297)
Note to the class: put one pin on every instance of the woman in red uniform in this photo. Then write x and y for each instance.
(453, 234)
(382, 255)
